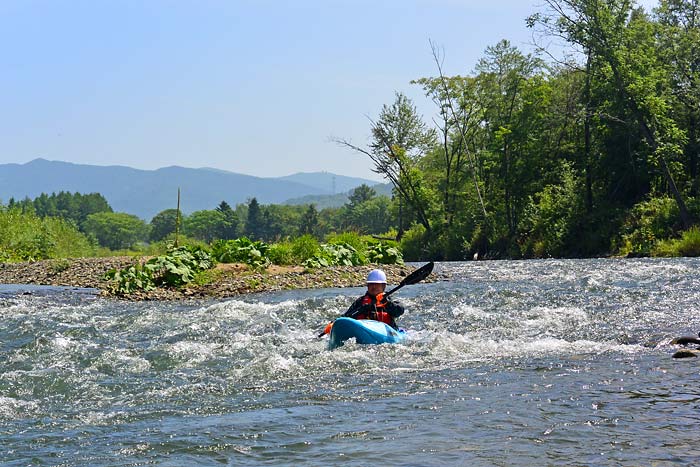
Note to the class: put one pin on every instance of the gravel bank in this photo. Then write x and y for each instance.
(225, 280)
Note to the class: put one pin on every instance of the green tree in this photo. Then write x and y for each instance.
(229, 228)
(309, 221)
(678, 35)
(90, 204)
(205, 225)
(163, 224)
(373, 216)
(550, 219)
(366, 212)
(400, 140)
(360, 195)
(116, 230)
(511, 91)
(624, 40)
(280, 221)
(254, 222)
(75, 207)
(460, 119)
(491, 153)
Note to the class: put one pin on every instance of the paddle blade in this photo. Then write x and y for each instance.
(414, 278)
(419, 274)
(326, 330)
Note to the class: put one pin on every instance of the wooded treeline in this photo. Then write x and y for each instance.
(365, 213)
(591, 154)
(529, 156)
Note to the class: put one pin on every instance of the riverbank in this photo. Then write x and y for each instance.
(226, 280)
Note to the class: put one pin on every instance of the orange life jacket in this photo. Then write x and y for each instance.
(378, 313)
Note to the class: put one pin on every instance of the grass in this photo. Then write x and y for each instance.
(57, 266)
(208, 276)
(688, 245)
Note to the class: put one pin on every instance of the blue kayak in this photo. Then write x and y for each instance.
(365, 331)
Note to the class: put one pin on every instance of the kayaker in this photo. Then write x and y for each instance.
(373, 304)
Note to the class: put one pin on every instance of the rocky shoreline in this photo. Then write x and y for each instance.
(226, 280)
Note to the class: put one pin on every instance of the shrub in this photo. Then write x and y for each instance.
(383, 254)
(687, 245)
(305, 247)
(131, 279)
(354, 239)
(242, 250)
(647, 223)
(281, 253)
(335, 254)
(413, 243)
(359, 242)
(26, 237)
(550, 219)
(175, 269)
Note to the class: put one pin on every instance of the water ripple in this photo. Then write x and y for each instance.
(553, 362)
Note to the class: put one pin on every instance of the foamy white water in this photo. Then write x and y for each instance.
(556, 362)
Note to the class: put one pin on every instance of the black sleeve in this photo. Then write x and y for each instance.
(356, 305)
(394, 309)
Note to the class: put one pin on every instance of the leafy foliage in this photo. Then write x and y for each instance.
(281, 254)
(354, 239)
(206, 225)
(647, 223)
(242, 250)
(116, 230)
(550, 218)
(305, 247)
(163, 224)
(131, 279)
(380, 253)
(27, 237)
(414, 242)
(309, 221)
(687, 245)
(335, 254)
(174, 269)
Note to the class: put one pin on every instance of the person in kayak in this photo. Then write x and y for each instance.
(373, 304)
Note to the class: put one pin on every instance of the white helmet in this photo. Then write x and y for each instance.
(376, 276)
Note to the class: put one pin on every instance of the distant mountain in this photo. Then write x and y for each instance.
(148, 192)
(330, 183)
(336, 201)
(320, 201)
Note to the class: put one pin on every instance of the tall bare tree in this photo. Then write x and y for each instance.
(400, 139)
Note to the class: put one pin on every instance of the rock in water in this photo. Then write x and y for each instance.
(686, 353)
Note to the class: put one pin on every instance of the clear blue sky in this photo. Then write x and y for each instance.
(250, 86)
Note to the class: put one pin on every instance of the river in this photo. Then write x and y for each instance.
(551, 362)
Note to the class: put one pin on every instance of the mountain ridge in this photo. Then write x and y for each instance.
(145, 193)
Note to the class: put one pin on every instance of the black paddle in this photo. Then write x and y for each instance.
(413, 278)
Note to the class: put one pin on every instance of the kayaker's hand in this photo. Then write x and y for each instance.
(326, 330)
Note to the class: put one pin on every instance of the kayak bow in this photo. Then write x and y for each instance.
(364, 331)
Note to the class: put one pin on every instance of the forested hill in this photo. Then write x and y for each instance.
(337, 200)
(148, 192)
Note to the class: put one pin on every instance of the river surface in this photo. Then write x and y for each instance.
(553, 362)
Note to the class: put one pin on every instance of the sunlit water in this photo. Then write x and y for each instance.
(509, 363)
